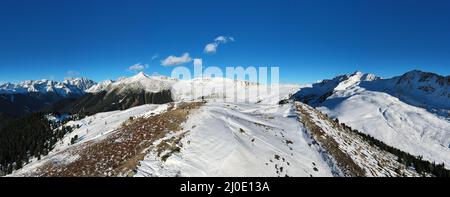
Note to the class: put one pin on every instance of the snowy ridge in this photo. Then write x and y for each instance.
(229, 139)
(316, 93)
(353, 154)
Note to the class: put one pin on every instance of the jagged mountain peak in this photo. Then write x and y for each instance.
(81, 83)
(139, 76)
(73, 86)
(140, 81)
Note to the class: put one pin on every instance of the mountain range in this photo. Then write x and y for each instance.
(352, 125)
(35, 95)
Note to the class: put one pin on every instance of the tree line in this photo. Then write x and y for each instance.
(417, 162)
(30, 136)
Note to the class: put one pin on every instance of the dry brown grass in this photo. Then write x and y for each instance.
(120, 153)
(343, 160)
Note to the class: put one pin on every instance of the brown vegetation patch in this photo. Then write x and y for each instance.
(120, 153)
(343, 160)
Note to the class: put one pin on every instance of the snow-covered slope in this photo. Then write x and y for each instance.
(90, 129)
(228, 139)
(421, 89)
(407, 112)
(353, 154)
(398, 124)
(101, 124)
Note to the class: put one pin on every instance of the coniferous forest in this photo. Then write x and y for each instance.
(417, 162)
(23, 138)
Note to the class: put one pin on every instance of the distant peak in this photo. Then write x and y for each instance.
(140, 75)
(418, 73)
(357, 73)
(415, 71)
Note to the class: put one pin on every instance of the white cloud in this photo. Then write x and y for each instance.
(221, 39)
(72, 73)
(155, 56)
(211, 48)
(137, 67)
(174, 60)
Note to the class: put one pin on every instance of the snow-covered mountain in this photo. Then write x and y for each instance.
(409, 112)
(421, 89)
(124, 93)
(316, 93)
(34, 95)
(187, 90)
(81, 84)
(143, 89)
(100, 86)
(70, 87)
(140, 81)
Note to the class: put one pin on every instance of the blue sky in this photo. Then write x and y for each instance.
(308, 40)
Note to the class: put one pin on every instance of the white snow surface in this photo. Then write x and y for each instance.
(237, 139)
